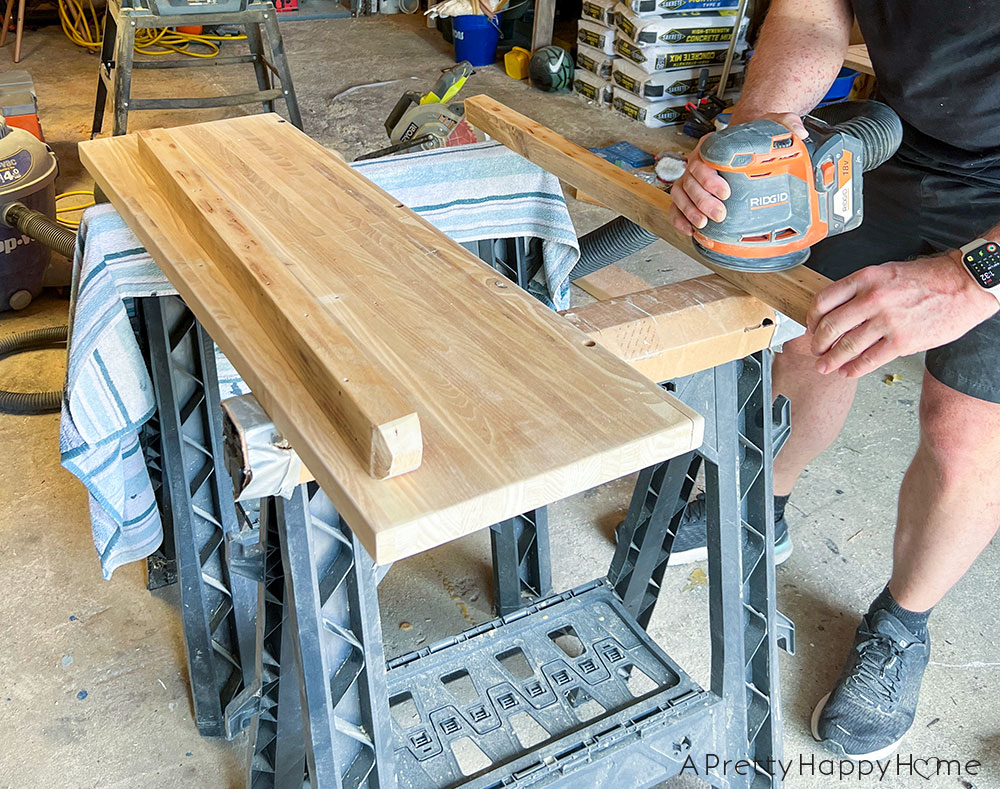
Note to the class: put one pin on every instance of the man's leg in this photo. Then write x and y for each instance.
(949, 503)
(820, 404)
(947, 513)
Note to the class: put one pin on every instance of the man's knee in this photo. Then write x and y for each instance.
(956, 429)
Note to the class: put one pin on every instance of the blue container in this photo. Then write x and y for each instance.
(841, 87)
(476, 39)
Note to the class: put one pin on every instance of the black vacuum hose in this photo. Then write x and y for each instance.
(874, 123)
(608, 244)
(31, 402)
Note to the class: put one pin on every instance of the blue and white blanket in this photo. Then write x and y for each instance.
(470, 193)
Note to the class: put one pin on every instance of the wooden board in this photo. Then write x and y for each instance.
(859, 59)
(791, 291)
(545, 21)
(611, 281)
(681, 328)
(518, 408)
(380, 425)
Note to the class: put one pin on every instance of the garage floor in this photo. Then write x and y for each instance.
(93, 688)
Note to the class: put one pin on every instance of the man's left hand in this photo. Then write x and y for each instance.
(882, 312)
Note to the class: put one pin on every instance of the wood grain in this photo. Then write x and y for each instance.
(517, 407)
(791, 292)
(679, 329)
(611, 281)
(379, 424)
(859, 59)
(664, 333)
(544, 25)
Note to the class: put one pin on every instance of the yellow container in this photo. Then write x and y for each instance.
(516, 63)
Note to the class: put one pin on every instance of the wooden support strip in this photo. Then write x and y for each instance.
(664, 333)
(376, 420)
(679, 329)
(791, 292)
(611, 281)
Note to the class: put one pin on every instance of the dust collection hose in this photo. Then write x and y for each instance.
(39, 227)
(872, 122)
(46, 231)
(608, 244)
(35, 340)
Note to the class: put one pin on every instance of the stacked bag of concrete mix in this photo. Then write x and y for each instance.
(663, 46)
(595, 51)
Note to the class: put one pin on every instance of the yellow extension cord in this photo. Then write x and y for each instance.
(81, 26)
(73, 224)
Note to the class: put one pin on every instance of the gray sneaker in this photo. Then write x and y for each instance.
(691, 542)
(873, 703)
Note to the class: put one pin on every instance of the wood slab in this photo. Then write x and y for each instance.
(791, 292)
(517, 407)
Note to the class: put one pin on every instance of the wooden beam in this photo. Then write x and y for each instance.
(378, 423)
(664, 333)
(545, 21)
(791, 292)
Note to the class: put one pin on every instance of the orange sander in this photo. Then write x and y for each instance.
(788, 193)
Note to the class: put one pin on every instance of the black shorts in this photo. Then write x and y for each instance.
(912, 211)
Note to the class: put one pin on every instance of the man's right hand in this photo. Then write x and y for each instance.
(698, 194)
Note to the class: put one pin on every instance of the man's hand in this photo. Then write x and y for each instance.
(882, 312)
(698, 194)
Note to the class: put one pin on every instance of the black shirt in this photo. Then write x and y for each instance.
(938, 66)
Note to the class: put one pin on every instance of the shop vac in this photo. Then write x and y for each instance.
(29, 234)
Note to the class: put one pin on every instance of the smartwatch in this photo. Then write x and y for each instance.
(982, 260)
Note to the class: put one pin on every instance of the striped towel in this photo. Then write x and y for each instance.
(470, 193)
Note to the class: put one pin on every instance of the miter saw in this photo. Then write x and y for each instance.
(423, 122)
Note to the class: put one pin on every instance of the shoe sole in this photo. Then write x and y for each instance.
(679, 558)
(835, 747)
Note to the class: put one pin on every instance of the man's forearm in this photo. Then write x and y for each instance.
(800, 50)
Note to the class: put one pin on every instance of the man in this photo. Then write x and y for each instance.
(900, 288)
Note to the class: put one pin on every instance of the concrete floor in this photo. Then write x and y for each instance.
(93, 688)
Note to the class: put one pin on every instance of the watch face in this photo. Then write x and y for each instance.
(984, 263)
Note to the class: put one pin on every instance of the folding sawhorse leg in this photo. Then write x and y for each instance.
(744, 428)
(217, 606)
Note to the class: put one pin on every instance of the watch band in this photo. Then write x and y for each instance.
(981, 259)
